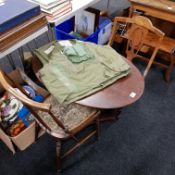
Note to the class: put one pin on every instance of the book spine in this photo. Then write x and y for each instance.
(48, 6)
(55, 9)
(61, 10)
(22, 31)
(52, 18)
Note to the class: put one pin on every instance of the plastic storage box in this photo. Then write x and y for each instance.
(105, 27)
(63, 31)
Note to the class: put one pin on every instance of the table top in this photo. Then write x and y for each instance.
(167, 5)
(123, 92)
(77, 5)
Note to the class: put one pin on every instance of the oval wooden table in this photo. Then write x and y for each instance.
(123, 92)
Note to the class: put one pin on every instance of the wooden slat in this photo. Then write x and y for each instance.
(79, 144)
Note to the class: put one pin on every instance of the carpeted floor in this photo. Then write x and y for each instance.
(141, 142)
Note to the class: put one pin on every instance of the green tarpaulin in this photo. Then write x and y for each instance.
(68, 81)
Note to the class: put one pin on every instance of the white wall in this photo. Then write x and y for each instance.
(115, 7)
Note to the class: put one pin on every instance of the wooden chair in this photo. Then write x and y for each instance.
(137, 30)
(59, 121)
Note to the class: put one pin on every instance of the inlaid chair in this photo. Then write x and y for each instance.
(61, 122)
(141, 37)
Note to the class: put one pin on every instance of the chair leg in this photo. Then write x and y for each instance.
(98, 128)
(118, 112)
(37, 129)
(130, 56)
(170, 69)
(58, 156)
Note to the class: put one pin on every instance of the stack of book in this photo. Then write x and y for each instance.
(21, 31)
(54, 8)
(18, 20)
(15, 12)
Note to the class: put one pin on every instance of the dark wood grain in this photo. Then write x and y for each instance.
(117, 95)
(162, 14)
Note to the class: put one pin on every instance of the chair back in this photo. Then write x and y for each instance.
(36, 66)
(10, 86)
(141, 36)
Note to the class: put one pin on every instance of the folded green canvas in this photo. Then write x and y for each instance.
(70, 82)
(77, 53)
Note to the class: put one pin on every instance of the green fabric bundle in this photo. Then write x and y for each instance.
(70, 82)
(77, 53)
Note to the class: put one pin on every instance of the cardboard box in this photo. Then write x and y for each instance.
(27, 136)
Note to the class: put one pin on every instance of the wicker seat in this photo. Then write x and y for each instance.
(70, 115)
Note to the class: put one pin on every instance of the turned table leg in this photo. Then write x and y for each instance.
(170, 68)
(58, 156)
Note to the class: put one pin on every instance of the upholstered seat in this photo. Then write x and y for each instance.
(71, 115)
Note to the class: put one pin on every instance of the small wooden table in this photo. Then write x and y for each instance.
(162, 9)
(123, 92)
(164, 13)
